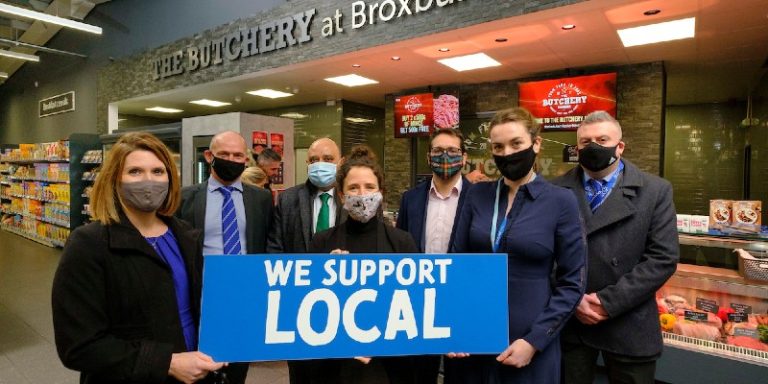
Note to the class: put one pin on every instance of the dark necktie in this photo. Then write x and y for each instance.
(230, 234)
(323, 218)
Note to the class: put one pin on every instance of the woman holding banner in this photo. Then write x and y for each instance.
(361, 181)
(126, 294)
(538, 226)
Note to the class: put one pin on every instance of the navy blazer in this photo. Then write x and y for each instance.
(633, 250)
(412, 216)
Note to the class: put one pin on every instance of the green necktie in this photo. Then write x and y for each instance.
(322, 217)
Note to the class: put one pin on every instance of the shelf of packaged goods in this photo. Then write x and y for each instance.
(90, 163)
(6, 197)
(58, 223)
(32, 236)
(5, 182)
(30, 161)
(65, 203)
(20, 179)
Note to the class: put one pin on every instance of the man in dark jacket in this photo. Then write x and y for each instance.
(234, 217)
(430, 211)
(302, 211)
(633, 249)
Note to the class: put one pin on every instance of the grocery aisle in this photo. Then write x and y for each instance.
(27, 351)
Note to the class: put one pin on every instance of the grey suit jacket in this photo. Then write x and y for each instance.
(291, 231)
(633, 249)
(258, 213)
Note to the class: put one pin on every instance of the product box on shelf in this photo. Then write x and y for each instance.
(747, 215)
(720, 212)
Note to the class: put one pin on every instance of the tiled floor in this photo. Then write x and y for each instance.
(27, 351)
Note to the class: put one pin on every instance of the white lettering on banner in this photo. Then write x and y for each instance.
(400, 316)
(348, 317)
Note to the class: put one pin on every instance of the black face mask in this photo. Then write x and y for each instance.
(595, 157)
(516, 165)
(227, 170)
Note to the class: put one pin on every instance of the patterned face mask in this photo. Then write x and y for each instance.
(363, 208)
(445, 165)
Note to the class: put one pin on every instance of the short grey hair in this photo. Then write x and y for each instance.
(601, 117)
(267, 156)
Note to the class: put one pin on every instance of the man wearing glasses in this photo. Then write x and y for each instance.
(430, 210)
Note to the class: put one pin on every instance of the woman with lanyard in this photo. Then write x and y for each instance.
(126, 295)
(538, 226)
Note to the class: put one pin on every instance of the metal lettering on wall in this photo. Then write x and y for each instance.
(282, 33)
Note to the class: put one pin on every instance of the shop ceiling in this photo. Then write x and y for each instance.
(723, 62)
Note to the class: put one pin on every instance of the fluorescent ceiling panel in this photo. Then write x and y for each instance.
(351, 80)
(30, 14)
(19, 55)
(270, 93)
(358, 120)
(293, 115)
(164, 110)
(210, 103)
(656, 33)
(470, 62)
(3, 75)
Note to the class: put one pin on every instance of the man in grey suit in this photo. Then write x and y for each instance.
(223, 199)
(302, 211)
(633, 249)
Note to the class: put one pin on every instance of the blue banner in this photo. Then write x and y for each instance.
(289, 307)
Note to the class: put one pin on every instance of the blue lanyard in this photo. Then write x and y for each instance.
(496, 235)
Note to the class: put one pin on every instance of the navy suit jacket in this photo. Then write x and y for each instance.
(412, 216)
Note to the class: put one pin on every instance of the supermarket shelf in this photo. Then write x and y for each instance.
(55, 222)
(31, 236)
(65, 203)
(40, 180)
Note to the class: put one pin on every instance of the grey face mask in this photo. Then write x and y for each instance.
(146, 196)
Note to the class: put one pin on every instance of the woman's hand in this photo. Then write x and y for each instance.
(339, 252)
(518, 355)
(456, 355)
(364, 360)
(189, 367)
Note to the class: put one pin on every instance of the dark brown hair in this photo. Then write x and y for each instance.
(450, 132)
(516, 115)
(359, 156)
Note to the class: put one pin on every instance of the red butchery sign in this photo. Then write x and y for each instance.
(562, 104)
(413, 115)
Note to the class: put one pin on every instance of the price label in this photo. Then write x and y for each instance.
(737, 317)
(707, 305)
(695, 316)
(741, 308)
(751, 333)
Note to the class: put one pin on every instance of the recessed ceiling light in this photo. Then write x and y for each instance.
(270, 93)
(293, 115)
(3, 75)
(210, 103)
(19, 55)
(119, 120)
(444, 49)
(656, 33)
(351, 80)
(502, 40)
(395, 58)
(470, 62)
(356, 65)
(568, 27)
(358, 120)
(164, 110)
(652, 12)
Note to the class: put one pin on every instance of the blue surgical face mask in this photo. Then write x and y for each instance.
(322, 174)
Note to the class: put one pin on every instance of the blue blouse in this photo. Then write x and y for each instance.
(167, 247)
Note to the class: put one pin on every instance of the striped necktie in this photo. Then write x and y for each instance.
(230, 234)
(598, 193)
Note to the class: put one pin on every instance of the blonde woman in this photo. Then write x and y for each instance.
(254, 176)
(127, 290)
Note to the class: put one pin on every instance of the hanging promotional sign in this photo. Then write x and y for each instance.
(413, 115)
(57, 104)
(562, 104)
(313, 306)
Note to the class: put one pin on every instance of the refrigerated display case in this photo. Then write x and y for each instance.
(716, 319)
